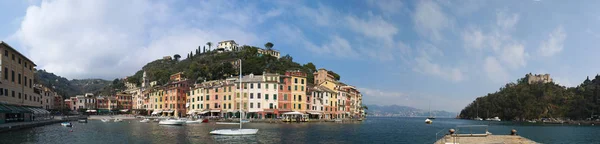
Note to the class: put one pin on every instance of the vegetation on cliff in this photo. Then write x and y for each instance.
(523, 101)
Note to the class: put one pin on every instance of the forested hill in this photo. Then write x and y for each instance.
(70, 88)
(210, 65)
(523, 101)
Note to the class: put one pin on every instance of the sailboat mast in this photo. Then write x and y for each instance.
(240, 107)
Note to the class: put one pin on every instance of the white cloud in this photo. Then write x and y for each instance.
(108, 39)
(374, 26)
(429, 20)
(564, 81)
(337, 46)
(423, 64)
(506, 21)
(555, 42)
(322, 15)
(514, 55)
(473, 38)
(494, 70)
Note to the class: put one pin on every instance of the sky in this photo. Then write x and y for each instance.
(441, 53)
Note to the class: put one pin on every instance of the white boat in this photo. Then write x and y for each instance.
(66, 124)
(428, 121)
(171, 122)
(194, 121)
(227, 123)
(118, 120)
(239, 131)
(234, 132)
(156, 120)
(495, 119)
(105, 120)
(337, 120)
(145, 120)
(478, 118)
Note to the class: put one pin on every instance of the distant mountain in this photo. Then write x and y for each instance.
(69, 88)
(404, 111)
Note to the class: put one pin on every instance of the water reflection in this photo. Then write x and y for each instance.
(245, 139)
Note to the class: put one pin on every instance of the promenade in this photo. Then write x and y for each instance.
(21, 125)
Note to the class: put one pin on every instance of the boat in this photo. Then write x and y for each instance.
(82, 120)
(478, 118)
(428, 121)
(239, 131)
(105, 120)
(145, 120)
(227, 123)
(337, 120)
(66, 124)
(171, 122)
(493, 119)
(194, 121)
(118, 120)
(430, 117)
(156, 120)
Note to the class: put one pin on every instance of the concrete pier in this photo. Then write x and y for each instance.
(495, 139)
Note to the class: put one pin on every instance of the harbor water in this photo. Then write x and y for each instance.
(372, 130)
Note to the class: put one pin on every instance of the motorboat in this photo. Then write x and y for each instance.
(156, 120)
(478, 118)
(234, 132)
(171, 122)
(118, 120)
(245, 121)
(428, 121)
(493, 119)
(66, 124)
(105, 120)
(194, 121)
(145, 120)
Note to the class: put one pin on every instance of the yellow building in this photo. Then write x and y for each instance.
(298, 90)
(271, 52)
(157, 96)
(16, 78)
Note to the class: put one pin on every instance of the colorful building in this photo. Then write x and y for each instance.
(298, 90)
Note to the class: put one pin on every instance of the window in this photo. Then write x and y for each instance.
(245, 86)
(296, 80)
(302, 88)
(258, 105)
(302, 81)
(207, 106)
(274, 96)
(193, 107)
(258, 85)
(267, 96)
(280, 87)
(229, 105)
(285, 106)
(207, 98)
(299, 98)
(216, 89)
(258, 96)
(251, 95)
(295, 87)
(294, 106)
(229, 97)
(299, 106)
(12, 76)
(266, 86)
(285, 97)
(19, 60)
(13, 94)
(192, 99)
(289, 88)
(199, 106)
(6, 53)
(251, 105)
(251, 86)
(13, 56)
(294, 97)
(5, 73)
(19, 95)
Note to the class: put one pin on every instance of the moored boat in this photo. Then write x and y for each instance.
(428, 121)
(118, 120)
(66, 124)
(105, 120)
(171, 122)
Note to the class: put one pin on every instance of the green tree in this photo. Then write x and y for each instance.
(176, 56)
(269, 45)
(209, 45)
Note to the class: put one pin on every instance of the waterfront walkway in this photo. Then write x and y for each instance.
(21, 125)
(496, 139)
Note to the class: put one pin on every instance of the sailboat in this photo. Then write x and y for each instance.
(239, 131)
(477, 111)
(430, 117)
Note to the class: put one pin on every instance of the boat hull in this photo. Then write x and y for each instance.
(145, 121)
(234, 132)
(171, 122)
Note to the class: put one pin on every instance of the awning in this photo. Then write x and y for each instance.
(187, 105)
(203, 112)
(88, 111)
(168, 111)
(13, 109)
(156, 112)
(293, 113)
(215, 110)
(315, 113)
(124, 110)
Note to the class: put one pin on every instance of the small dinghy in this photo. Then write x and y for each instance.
(66, 124)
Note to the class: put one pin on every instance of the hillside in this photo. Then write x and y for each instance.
(69, 88)
(523, 101)
(404, 111)
(200, 66)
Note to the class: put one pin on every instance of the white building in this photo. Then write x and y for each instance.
(226, 46)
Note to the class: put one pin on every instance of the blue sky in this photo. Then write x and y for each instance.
(397, 52)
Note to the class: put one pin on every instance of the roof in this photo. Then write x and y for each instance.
(323, 89)
(251, 78)
(227, 41)
(18, 53)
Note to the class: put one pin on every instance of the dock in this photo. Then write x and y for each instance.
(495, 139)
(467, 134)
(22, 125)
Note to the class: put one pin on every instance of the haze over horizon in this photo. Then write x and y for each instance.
(409, 53)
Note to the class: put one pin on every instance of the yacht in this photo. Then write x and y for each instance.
(105, 120)
(194, 121)
(478, 118)
(118, 120)
(171, 122)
